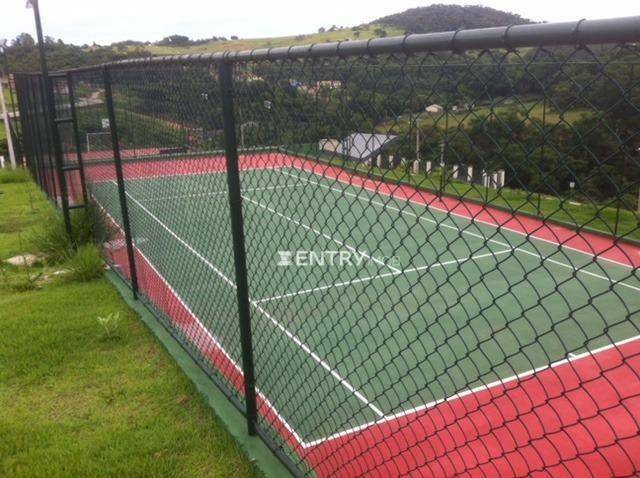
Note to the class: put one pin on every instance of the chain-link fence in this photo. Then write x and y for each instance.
(401, 256)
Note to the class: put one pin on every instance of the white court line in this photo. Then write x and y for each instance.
(462, 231)
(493, 225)
(471, 391)
(196, 173)
(322, 363)
(320, 233)
(343, 381)
(201, 326)
(218, 272)
(382, 276)
(476, 220)
(217, 193)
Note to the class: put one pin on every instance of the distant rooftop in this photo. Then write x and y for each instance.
(362, 146)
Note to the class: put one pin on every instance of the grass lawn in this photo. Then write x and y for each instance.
(533, 110)
(79, 399)
(367, 31)
(7, 97)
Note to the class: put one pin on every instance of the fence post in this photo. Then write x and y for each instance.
(120, 180)
(76, 136)
(35, 133)
(50, 106)
(239, 251)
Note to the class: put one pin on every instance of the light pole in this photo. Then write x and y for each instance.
(51, 113)
(3, 105)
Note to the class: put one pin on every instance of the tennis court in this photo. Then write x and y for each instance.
(370, 304)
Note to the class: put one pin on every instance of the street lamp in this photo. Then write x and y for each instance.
(3, 105)
(50, 108)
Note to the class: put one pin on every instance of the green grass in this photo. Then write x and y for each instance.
(7, 99)
(532, 109)
(77, 400)
(251, 43)
(7, 96)
(571, 212)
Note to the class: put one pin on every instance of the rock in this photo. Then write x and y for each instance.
(24, 260)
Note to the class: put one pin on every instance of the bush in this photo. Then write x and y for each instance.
(19, 175)
(85, 264)
(88, 226)
(19, 279)
(52, 240)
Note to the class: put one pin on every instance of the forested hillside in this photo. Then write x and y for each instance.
(442, 18)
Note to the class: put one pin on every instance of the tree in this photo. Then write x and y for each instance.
(175, 40)
(24, 39)
(234, 37)
(321, 30)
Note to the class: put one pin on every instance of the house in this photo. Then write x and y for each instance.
(358, 146)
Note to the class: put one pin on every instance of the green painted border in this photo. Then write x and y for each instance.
(253, 447)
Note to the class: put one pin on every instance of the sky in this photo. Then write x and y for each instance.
(108, 21)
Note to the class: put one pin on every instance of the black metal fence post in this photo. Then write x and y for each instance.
(57, 151)
(36, 134)
(235, 204)
(120, 180)
(76, 136)
(50, 153)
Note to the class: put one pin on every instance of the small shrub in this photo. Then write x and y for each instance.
(18, 175)
(88, 226)
(52, 240)
(85, 264)
(19, 280)
(110, 326)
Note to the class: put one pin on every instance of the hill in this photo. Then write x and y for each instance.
(362, 32)
(23, 54)
(441, 18)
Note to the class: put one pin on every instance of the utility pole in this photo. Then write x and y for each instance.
(3, 105)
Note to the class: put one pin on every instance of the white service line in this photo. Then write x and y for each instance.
(218, 193)
(197, 173)
(382, 276)
(343, 381)
(471, 391)
(320, 233)
(462, 231)
(322, 363)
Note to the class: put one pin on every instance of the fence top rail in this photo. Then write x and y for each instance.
(580, 33)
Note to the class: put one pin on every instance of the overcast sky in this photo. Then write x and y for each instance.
(107, 21)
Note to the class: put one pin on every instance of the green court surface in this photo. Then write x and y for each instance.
(438, 305)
